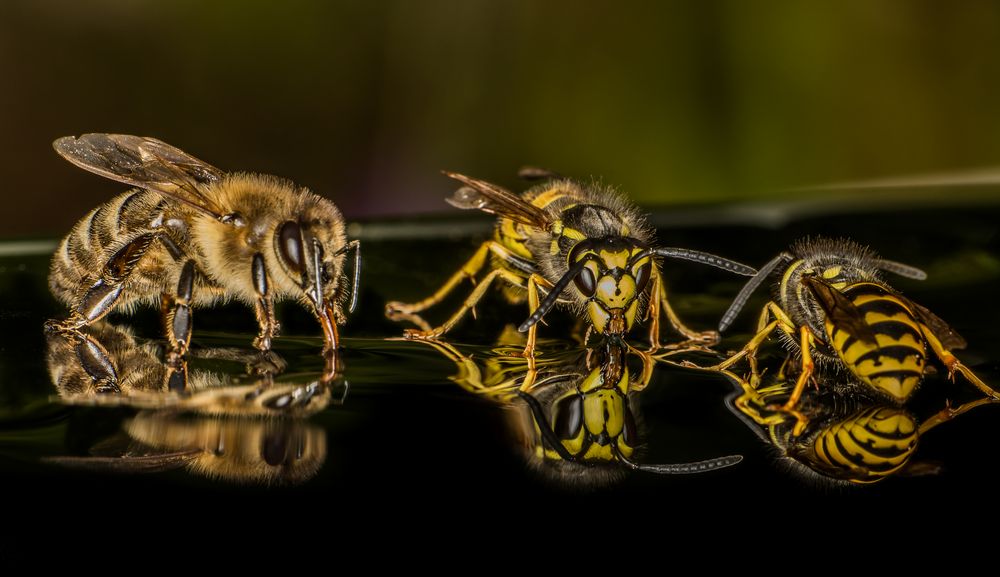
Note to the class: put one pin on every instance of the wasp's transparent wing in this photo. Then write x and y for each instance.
(481, 195)
(840, 310)
(147, 163)
(950, 339)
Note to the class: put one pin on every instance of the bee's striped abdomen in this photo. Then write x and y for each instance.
(867, 446)
(83, 253)
(894, 364)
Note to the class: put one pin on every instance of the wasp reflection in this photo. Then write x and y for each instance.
(246, 428)
(576, 415)
(836, 434)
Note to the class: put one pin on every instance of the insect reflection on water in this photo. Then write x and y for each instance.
(848, 437)
(248, 429)
(579, 423)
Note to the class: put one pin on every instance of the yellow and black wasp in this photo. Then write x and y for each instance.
(849, 437)
(580, 423)
(833, 307)
(563, 242)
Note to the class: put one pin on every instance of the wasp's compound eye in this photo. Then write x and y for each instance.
(586, 282)
(642, 276)
(568, 417)
(290, 245)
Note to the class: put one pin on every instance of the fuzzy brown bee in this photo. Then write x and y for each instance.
(563, 242)
(190, 235)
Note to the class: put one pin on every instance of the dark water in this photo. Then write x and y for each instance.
(401, 436)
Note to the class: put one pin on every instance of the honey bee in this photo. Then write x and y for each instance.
(562, 242)
(190, 235)
(257, 452)
(106, 365)
(833, 308)
(850, 438)
(580, 423)
(246, 429)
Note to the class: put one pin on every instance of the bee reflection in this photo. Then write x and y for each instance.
(577, 421)
(206, 422)
(836, 434)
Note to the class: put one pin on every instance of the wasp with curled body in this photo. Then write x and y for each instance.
(834, 309)
(563, 242)
(189, 235)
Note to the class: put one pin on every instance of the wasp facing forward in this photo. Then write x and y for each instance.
(191, 235)
(563, 242)
(833, 306)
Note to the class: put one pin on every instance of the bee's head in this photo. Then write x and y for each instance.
(312, 251)
(613, 273)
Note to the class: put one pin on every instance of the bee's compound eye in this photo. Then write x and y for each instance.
(586, 282)
(290, 245)
(568, 417)
(642, 276)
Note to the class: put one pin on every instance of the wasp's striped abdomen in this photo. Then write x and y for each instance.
(867, 446)
(84, 252)
(894, 364)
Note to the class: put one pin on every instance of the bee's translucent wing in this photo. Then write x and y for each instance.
(152, 463)
(481, 195)
(147, 163)
(950, 339)
(840, 310)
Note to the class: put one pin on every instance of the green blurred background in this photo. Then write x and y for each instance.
(364, 102)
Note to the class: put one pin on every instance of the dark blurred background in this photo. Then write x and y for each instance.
(364, 102)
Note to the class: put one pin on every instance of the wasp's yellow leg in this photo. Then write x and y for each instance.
(396, 310)
(765, 326)
(660, 291)
(470, 301)
(806, 344)
(948, 413)
(954, 365)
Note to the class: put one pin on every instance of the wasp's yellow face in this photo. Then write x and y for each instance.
(594, 422)
(615, 272)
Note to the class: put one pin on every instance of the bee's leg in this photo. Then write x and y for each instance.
(177, 313)
(396, 310)
(264, 307)
(100, 297)
(954, 365)
(94, 359)
(471, 301)
(805, 345)
(705, 338)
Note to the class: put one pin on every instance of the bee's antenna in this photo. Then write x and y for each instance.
(680, 468)
(548, 435)
(903, 270)
(553, 296)
(702, 257)
(744, 294)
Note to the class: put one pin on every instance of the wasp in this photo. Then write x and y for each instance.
(833, 307)
(852, 438)
(190, 235)
(580, 423)
(581, 246)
